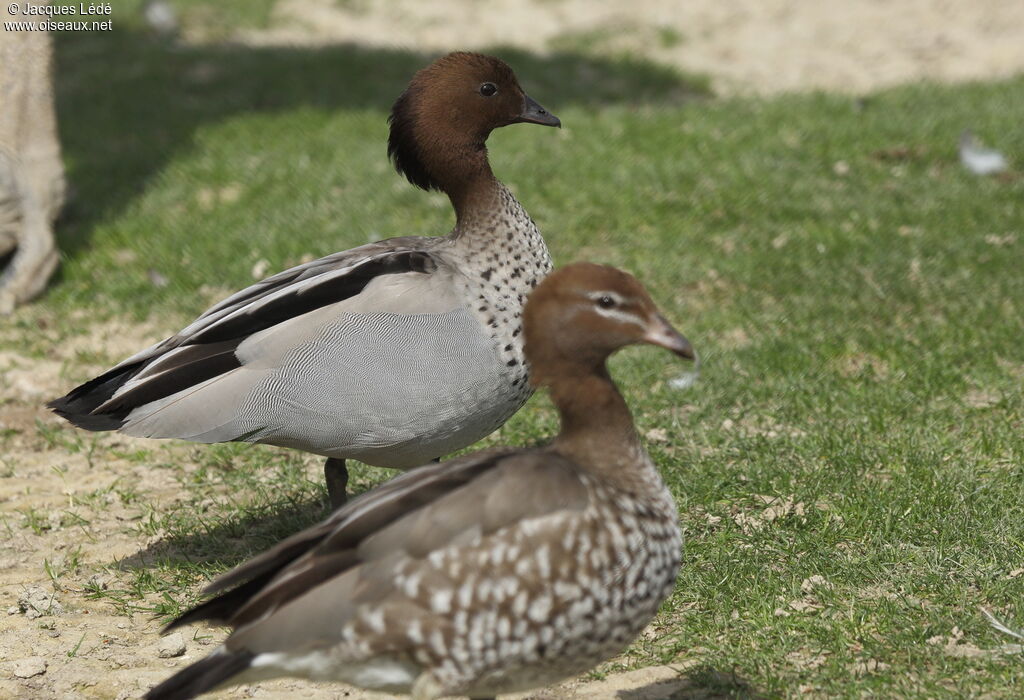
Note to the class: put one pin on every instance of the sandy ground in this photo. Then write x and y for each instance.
(746, 46)
(56, 642)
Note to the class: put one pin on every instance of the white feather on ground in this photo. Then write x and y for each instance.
(1001, 626)
(979, 159)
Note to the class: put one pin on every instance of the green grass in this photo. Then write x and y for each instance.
(858, 300)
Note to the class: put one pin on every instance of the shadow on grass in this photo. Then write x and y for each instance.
(223, 533)
(128, 102)
(703, 683)
(233, 538)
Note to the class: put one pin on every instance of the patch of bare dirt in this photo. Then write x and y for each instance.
(746, 46)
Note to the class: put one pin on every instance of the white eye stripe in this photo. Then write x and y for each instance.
(620, 315)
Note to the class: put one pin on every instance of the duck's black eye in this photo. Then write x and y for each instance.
(488, 89)
(606, 302)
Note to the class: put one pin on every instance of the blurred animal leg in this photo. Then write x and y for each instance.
(31, 170)
(336, 475)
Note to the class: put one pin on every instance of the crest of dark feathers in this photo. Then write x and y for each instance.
(402, 149)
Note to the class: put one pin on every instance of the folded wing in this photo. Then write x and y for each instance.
(255, 326)
(408, 518)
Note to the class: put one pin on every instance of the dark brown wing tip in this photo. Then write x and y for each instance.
(202, 676)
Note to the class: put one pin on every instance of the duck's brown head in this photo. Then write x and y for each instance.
(582, 313)
(446, 114)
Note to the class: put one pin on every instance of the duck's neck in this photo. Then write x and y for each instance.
(597, 428)
(476, 203)
(463, 172)
(465, 175)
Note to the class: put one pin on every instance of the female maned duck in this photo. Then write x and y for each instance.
(500, 571)
(392, 353)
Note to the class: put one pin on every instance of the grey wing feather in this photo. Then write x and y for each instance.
(293, 281)
(208, 348)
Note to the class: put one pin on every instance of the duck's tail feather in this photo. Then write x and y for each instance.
(78, 405)
(202, 676)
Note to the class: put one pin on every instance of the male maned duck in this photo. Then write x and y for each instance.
(393, 353)
(500, 571)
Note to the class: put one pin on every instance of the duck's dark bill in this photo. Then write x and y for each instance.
(533, 113)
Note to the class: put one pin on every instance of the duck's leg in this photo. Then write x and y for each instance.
(337, 480)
